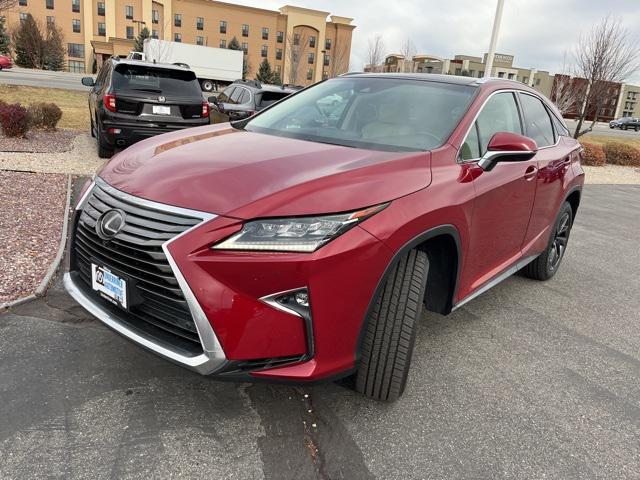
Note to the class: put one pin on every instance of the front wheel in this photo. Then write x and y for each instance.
(546, 265)
(207, 85)
(390, 330)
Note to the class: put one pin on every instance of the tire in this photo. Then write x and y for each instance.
(92, 129)
(546, 265)
(390, 330)
(104, 149)
(206, 85)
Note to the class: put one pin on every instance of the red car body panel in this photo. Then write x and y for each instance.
(495, 218)
(6, 62)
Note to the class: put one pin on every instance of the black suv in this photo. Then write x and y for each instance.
(131, 100)
(625, 123)
(243, 98)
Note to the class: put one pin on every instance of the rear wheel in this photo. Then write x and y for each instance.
(390, 330)
(546, 265)
(207, 85)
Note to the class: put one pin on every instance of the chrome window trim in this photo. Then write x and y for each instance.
(213, 357)
(475, 118)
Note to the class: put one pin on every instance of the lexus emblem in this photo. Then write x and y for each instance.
(109, 224)
(161, 99)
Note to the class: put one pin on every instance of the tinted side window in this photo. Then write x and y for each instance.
(224, 96)
(561, 129)
(499, 114)
(244, 98)
(537, 121)
(235, 96)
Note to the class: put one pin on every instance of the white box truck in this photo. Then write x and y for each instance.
(211, 65)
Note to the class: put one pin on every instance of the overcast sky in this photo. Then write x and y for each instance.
(536, 32)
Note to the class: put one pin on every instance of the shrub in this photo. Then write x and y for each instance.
(45, 115)
(593, 155)
(617, 153)
(15, 120)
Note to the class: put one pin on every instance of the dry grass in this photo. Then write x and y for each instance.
(602, 139)
(74, 106)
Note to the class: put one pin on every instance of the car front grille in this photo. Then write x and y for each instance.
(156, 302)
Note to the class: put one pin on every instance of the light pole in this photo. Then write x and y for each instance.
(494, 39)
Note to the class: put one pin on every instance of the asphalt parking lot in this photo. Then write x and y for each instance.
(530, 380)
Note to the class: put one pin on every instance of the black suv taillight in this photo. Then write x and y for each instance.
(109, 102)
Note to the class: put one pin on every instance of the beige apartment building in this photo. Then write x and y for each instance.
(470, 66)
(303, 45)
(629, 101)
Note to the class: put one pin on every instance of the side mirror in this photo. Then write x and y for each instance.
(507, 147)
(88, 81)
(213, 99)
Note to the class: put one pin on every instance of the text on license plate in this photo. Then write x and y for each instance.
(110, 286)
(161, 110)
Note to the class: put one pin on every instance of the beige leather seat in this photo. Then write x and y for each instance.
(391, 122)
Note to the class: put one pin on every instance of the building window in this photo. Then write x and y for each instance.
(51, 22)
(310, 74)
(177, 20)
(265, 33)
(525, 80)
(458, 71)
(101, 9)
(245, 48)
(22, 3)
(155, 16)
(310, 58)
(200, 23)
(101, 30)
(327, 44)
(278, 54)
(223, 26)
(223, 43)
(177, 37)
(76, 25)
(23, 17)
(481, 74)
(75, 50)
(49, 4)
(75, 6)
(264, 51)
(327, 59)
(500, 74)
(130, 33)
(296, 39)
(325, 75)
(75, 66)
(511, 75)
(128, 12)
(472, 73)
(245, 30)
(280, 37)
(154, 33)
(312, 41)
(199, 40)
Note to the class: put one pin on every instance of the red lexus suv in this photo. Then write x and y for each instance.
(302, 244)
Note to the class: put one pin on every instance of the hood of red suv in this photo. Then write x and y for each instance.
(242, 174)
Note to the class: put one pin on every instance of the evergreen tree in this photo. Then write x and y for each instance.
(276, 78)
(235, 45)
(29, 44)
(54, 50)
(5, 41)
(138, 46)
(265, 75)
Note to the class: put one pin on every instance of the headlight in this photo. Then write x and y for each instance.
(303, 234)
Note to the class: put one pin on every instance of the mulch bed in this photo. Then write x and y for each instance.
(31, 219)
(39, 141)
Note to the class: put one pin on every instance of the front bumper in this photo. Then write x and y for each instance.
(227, 292)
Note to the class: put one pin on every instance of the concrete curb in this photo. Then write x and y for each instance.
(42, 288)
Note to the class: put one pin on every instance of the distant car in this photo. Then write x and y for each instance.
(5, 62)
(243, 98)
(131, 100)
(625, 123)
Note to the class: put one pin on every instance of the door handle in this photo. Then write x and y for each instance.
(567, 160)
(531, 172)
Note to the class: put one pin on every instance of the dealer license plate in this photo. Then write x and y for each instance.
(109, 285)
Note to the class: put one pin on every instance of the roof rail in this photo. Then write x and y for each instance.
(255, 83)
(291, 85)
(346, 74)
(181, 64)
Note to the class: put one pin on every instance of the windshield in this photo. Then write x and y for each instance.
(156, 80)
(390, 114)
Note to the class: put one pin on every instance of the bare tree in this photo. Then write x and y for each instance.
(339, 60)
(296, 45)
(408, 51)
(565, 91)
(7, 4)
(604, 55)
(375, 53)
